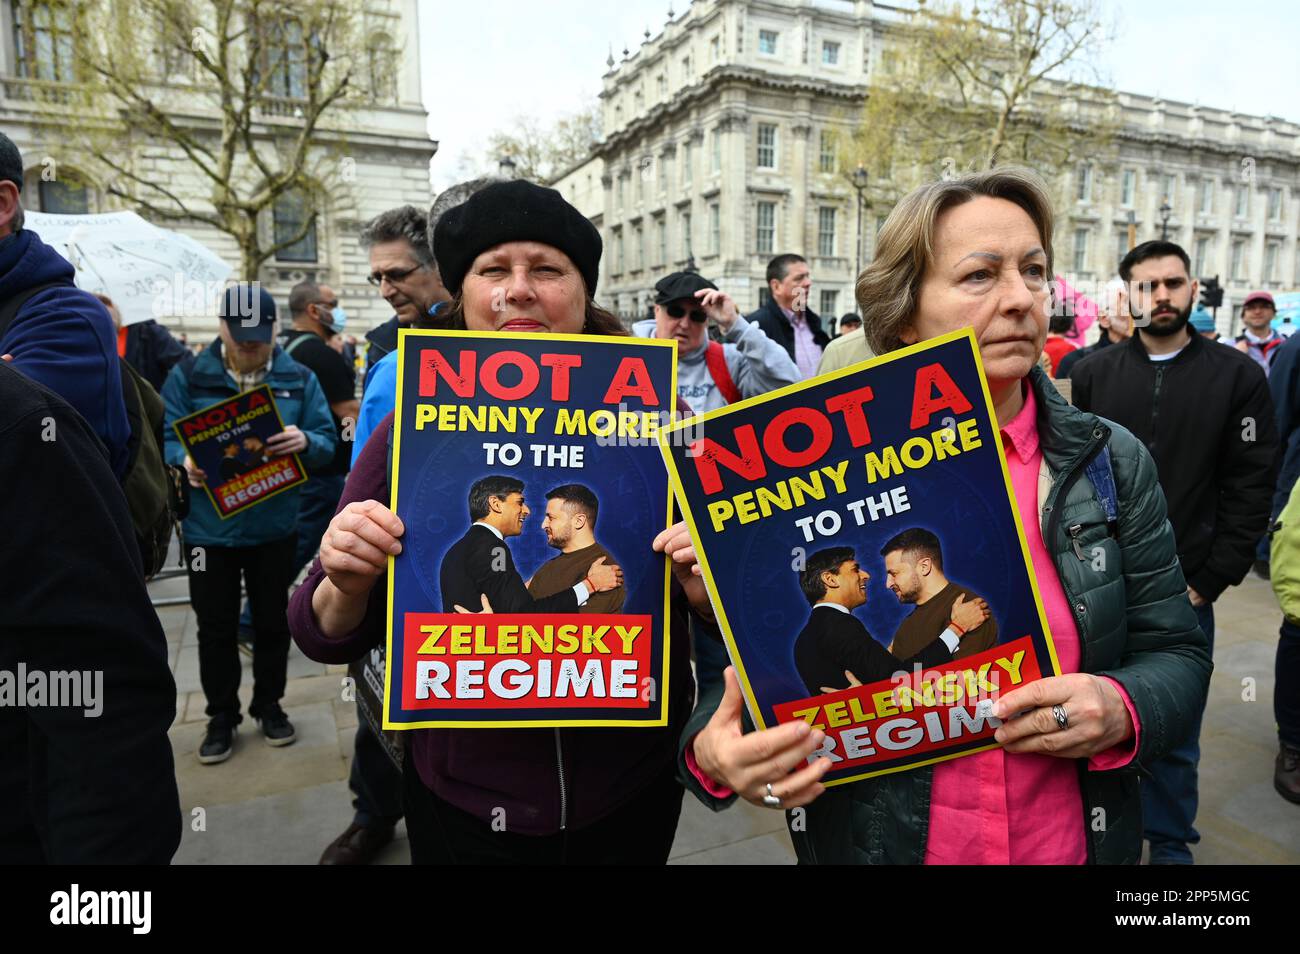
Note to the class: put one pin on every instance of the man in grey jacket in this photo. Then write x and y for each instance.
(712, 375)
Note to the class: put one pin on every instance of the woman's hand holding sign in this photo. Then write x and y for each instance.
(752, 763)
(1071, 717)
(354, 554)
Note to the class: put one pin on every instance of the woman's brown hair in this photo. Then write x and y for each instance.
(888, 288)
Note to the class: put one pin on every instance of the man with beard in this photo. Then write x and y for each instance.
(834, 650)
(570, 527)
(914, 573)
(1205, 414)
(478, 572)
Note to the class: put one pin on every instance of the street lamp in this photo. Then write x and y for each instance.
(506, 168)
(1165, 209)
(858, 179)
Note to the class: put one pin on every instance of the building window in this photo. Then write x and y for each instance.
(1169, 189)
(1121, 246)
(826, 159)
(767, 42)
(686, 69)
(715, 49)
(766, 146)
(63, 199)
(830, 303)
(686, 162)
(1127, 187)
(715, 229)
(1080, 251)
(618, 251)
(1201, 255)
(1242, 208)
(286, 60)
(765, 237)
(661, 84)
(639, 263)
(686, 235)
(764, 296)
(291, 215)
(380, 61)
(1275, 205)
(1084, 182)
(1239, 264)
(1207, 196)
(661, 228)
(44, 40)
(621, 191)
(717, 150)
(1270, 261)
(826, 231)
(830, 53)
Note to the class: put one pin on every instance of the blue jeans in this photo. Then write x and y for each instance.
(1169, 796)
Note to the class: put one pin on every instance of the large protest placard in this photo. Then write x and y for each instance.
(866, 509)
(227, 441)
(519, 461)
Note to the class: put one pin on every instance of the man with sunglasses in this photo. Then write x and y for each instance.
(402, 268)
(710, 374)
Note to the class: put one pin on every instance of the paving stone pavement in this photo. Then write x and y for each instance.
(283, 805)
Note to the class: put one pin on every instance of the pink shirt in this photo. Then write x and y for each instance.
(807, 353)
(996, 807)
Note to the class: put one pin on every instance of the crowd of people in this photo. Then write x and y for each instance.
(1197, 496)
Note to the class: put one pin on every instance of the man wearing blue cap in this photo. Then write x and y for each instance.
(257, 543)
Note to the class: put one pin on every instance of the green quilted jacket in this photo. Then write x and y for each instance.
(1136, 625)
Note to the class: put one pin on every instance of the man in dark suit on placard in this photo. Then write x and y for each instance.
(835, 643)
(479, 571)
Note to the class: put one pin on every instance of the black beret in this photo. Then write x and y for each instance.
(680, 285)
(518, 211)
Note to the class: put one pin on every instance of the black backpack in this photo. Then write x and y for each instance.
(157, 494)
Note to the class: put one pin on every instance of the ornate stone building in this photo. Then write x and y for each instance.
(719, 148)
(382, 142)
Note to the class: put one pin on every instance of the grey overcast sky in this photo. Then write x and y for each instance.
(486, 61)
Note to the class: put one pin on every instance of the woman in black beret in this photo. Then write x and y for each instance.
(517, 258)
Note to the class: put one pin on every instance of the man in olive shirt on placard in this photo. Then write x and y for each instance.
(914, 573)
(570, 527)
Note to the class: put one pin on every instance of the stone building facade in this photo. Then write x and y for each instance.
(381, 144)
(719, 150)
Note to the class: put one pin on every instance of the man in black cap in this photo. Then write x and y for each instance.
(52, 331)
(712, 375)
(257, 543)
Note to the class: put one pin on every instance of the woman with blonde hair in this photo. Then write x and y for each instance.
(976, 252)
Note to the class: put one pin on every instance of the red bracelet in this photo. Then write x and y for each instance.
(591, 587)
(953, 623)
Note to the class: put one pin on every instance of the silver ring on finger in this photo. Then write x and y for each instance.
(1062, 720)
(771, 800)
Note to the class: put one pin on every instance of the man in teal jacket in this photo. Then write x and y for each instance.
(259, 542)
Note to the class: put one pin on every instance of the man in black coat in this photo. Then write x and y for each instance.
(86, 771)
(1205, 413)
(835, 644)
(786, 317)
(478, 572)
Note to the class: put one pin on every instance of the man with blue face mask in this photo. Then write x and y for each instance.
(317, 317)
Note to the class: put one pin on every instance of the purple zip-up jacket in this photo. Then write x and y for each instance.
(518, 770)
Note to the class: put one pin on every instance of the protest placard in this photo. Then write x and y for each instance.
(866, 509)
(227, 441)
(519, 462)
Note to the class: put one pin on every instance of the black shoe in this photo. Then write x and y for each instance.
(276, 726)
(218, 742)
(1261, 569)
(1286, 773)
(358, 845)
